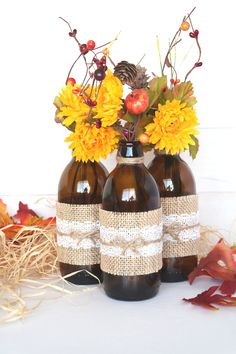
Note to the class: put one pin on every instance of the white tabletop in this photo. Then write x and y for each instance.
(92, 323)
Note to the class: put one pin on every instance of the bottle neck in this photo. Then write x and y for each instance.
(130, 152)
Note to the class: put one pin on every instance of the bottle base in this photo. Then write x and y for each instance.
(83, 277)
(177, 269)
(131, 288)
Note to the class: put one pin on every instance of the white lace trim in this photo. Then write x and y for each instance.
(69, 242)
(183, 220)
(147, 233)
(66, 227)
(149, 250)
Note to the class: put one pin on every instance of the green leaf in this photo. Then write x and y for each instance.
(71, 127)
(193, 149)
(130, 117)
(156, 86)
(143, 122)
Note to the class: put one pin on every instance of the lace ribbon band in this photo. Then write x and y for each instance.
(78, 233)
(181, 227)
(131, 243)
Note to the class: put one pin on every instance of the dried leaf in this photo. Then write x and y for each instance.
(207, 298)
(184, 93)
(209, 265)
(5, 219)
(228, 287)
(30, 220)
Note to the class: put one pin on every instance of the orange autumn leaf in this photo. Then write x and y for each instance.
(30, 220)
(5, 219)
(11, 231)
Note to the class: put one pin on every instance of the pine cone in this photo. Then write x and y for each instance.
(125, 71)
(141, 79)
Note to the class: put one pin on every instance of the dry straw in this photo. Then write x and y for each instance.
(28, 270)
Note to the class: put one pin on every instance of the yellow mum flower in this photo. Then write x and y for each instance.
(173, 125)
(73, 107)
(109, 100)
(91, 143)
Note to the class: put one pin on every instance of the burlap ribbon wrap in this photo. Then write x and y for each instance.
(78, 233)
(131, 243)
(181, 227)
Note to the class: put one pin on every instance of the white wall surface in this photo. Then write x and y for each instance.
(36, 53)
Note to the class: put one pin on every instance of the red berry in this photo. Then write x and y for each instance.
(198, 64)
(177, 81)
(91, 44)
(98, 123)
(71, 80)
(84, 49)
(103, 60)
(73, 33)
(91, 103)
(99, 74)
(137, 101)
(172, 81)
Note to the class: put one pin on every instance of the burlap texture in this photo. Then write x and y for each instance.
(78, 256)
(179, 206)
(126, 220)
(180, 248)
(79, 213)
(75, 212)
(136, 264)
(130, 266)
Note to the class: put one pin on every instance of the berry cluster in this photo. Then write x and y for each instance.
(95, 71)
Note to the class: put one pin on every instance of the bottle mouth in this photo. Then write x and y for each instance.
(130, 149)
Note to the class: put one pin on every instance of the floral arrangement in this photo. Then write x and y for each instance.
(159, 111)
(90, 110)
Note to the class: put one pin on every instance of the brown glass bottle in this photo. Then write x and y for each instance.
(174, 179)
(130, 188)
(82, 183)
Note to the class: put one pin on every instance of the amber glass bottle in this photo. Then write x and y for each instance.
(82, 183)
(174, 179)
(130, 188)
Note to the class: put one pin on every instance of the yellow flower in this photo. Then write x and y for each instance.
(109, 100)
(173, 125)
(91, 143)
(73, 108)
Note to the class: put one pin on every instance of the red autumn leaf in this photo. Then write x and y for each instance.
(22, 212)
(228, 287)
(209, 265)
(207, 298)
(5, 219)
